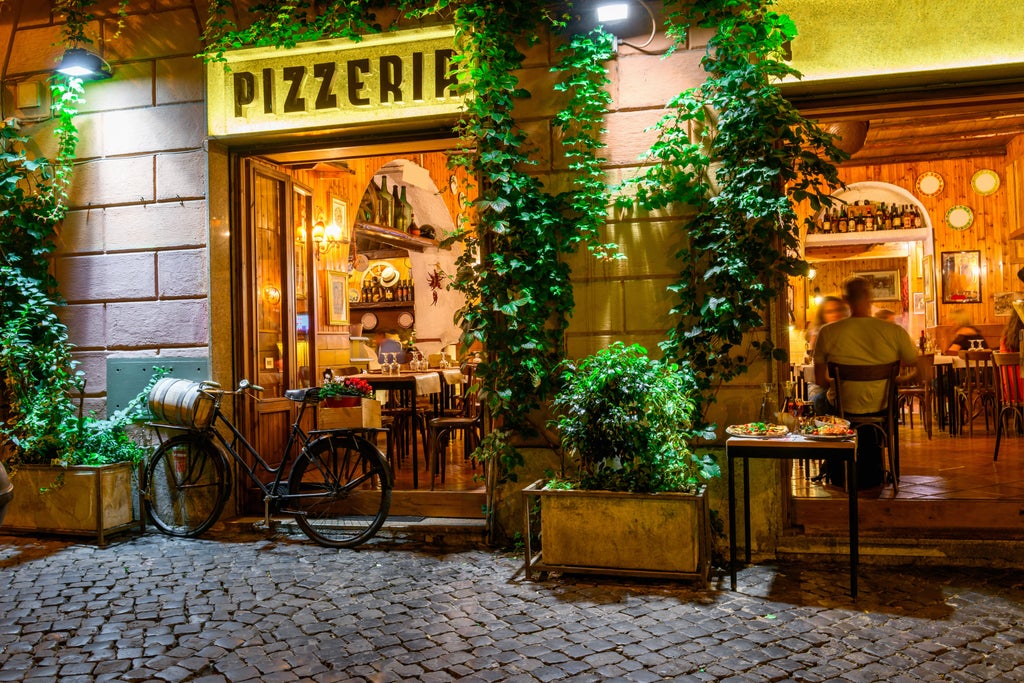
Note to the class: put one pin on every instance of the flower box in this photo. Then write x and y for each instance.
(654, 535)
(366, 414)
(81, 500)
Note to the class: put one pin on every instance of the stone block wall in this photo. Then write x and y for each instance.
(132, 262)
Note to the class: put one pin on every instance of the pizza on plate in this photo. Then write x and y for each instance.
(758, 429)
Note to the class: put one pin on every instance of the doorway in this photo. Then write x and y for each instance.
(320, 230)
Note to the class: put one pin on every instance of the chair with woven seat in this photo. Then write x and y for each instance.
(470, 422)
(1009, 394)
(884, 422)
(976, 393)
(921, 391)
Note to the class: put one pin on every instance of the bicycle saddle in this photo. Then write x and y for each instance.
(309, 393)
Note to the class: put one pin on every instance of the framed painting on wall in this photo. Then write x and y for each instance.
(961, 277)
(337, 298)
(339, 215)
(918, 303)
(885, 284)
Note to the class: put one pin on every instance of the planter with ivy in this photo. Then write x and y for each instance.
(637, 506)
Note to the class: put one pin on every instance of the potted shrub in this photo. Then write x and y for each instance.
(637, 504)
(345, 392)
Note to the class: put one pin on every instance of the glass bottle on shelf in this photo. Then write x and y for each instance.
(844, 222)
(826, 222)
(897, 218)
(869, 218)
(385, 203)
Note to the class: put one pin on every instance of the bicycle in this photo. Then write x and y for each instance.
(338, 486)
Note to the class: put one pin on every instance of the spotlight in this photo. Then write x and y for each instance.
(83, 64)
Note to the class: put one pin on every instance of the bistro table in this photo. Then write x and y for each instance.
(419, 384)
(791, 447)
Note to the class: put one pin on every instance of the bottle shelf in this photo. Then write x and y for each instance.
(395, 237)
(362, 305)
(870, 237)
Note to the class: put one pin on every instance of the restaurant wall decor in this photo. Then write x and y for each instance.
(885, 284)
(961, 277)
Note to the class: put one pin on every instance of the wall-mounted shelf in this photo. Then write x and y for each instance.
(394, 237)
(363, 305)
(873, 237)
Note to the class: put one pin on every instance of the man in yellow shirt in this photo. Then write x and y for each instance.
(862, 339)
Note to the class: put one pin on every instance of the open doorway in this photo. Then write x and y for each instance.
(342, 247)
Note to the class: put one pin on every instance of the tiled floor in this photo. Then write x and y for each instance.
(944, 467)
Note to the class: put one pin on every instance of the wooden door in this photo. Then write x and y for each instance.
(277, 344)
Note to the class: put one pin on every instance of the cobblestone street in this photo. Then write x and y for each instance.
(250, 607)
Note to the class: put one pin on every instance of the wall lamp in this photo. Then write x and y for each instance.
(83, 64)
(326, 237)
(621, 18)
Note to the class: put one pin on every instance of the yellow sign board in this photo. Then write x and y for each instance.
(403, 75)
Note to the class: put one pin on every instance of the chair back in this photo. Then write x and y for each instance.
(978, 372)
(888, 372)
(1010, 387)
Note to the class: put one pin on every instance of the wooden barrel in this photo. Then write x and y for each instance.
(180, 402)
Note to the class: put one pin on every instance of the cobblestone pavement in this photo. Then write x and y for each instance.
(261, 608)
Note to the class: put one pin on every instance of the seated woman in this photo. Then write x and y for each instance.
(965, 335)
(831, 309)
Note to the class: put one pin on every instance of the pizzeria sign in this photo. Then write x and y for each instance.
(403, 75)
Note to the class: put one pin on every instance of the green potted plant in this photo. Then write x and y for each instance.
(637, 503)
(345, 392)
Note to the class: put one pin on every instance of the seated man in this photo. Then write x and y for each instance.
(862, 339)
(386, 345)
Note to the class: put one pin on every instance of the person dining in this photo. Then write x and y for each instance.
(1009, 340)
(386, 344)
(964, 338)
(831, 309)
(862, 339)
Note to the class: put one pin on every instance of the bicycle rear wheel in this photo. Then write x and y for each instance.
(339, 490)
(185, 485)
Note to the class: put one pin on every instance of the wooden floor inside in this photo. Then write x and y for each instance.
(949, 486)
(461, 495)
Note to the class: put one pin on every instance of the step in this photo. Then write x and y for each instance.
(434, 531)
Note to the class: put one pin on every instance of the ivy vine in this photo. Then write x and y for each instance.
(742, 156)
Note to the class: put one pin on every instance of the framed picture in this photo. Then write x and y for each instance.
(961, 277)
(339, 214)
(918, 303)
(337, 298)
(929, 277)
(1004, 302)
(885, 284)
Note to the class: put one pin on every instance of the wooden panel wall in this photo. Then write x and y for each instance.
(996, 217)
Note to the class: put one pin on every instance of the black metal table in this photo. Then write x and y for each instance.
(792, 447)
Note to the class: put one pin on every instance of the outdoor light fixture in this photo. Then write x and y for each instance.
(621, 19)
(81, 63)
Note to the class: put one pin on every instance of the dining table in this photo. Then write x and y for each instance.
(419, 383)
(789, 447)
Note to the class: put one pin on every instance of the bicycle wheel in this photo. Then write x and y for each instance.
(339, 490)
(186, 485)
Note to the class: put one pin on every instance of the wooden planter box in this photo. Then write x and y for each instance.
(92, 501)
(658, 535)
(367, 414)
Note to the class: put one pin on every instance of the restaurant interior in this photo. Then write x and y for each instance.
(959, 165)
(363, 238)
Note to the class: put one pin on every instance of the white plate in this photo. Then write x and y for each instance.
(827, 437)
(985, 181)
(369, 321)
(731, 431)
(405, 319)
(930, 183)
(959, 217)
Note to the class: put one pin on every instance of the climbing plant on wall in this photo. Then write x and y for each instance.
(742, 156)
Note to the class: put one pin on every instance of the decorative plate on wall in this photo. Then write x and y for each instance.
(985, 181)
(369, 321)
(959, 217)
(405, 320)
(930, 183)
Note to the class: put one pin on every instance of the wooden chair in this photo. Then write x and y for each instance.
(923, 392)
(470, 422)
(976, 393)
(885, 423)
(1009, 394)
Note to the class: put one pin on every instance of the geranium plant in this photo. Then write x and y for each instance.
(346, 386)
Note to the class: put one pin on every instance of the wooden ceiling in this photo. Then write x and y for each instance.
(969, 121)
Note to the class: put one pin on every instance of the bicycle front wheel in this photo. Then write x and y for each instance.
(340, 490)
(185, 485)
